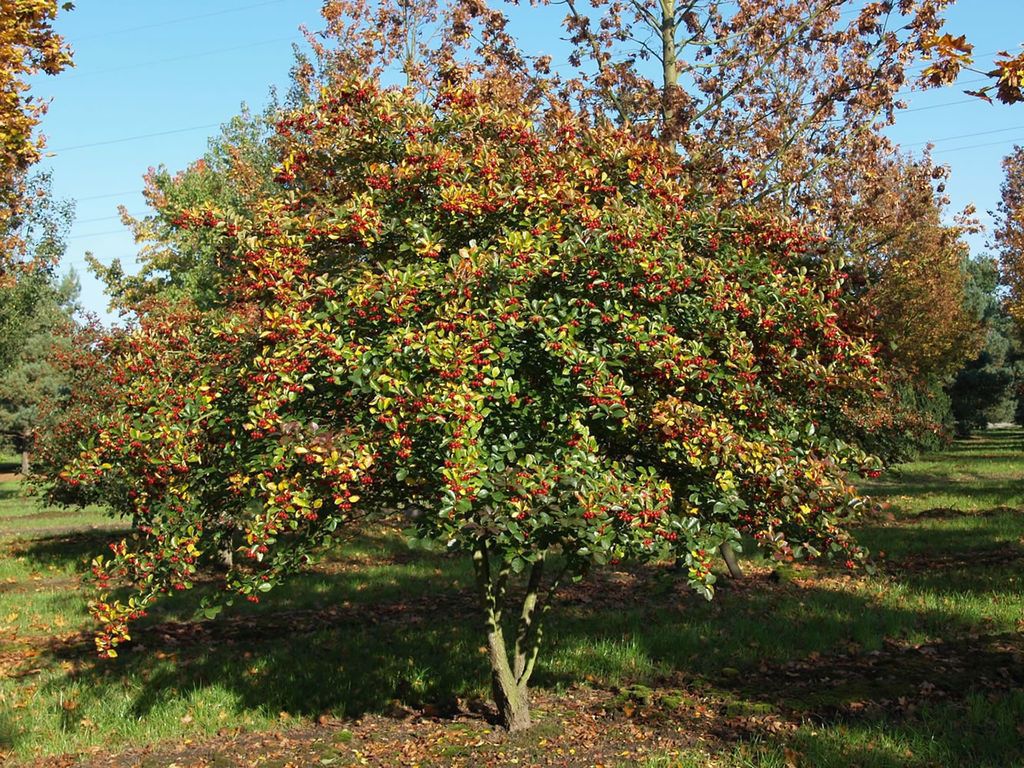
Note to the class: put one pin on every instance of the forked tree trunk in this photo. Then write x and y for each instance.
(729, 555)
(510, 697)
(510, 676)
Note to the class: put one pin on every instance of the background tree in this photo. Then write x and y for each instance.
(951, 55)
(41, 231)
(33, 377)
(985, 390)
(786, 87)
(910, 277)
(176, 261)
(28, 45)
(1009, 232)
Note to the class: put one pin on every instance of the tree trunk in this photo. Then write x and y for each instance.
(510, 697)
(729, 555)
(224, 558)
(26, 453)
(508, 683)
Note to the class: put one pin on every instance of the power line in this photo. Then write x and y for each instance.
(958, 83)
(978, 146)
(135, 138)
(99, 234)
(179, 20)
(106, 261)
(215, 125)
(940, 106)
(965, 136)
(105, 218)
(106, 195)
(183, 57)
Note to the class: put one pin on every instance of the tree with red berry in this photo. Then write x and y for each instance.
(530, 331)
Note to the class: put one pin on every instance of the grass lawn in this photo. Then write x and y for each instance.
(375, 658)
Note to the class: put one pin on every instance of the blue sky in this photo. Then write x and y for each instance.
(154, 79)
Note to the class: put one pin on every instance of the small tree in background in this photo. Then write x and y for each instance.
(985, 390)
(33, 377)
(40, 229)
(181, 262)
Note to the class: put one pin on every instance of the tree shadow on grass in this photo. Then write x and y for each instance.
(359, 653)
(366, 648)
(981, 556)
(923, 484)
(8, 492)
(977, 731)
(958, 533)
(67, 550)
(357, 640)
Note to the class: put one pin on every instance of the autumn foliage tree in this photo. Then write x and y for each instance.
(1009, 234)
(28, 45)
(531, 333)
(909, 266)
(950, 55)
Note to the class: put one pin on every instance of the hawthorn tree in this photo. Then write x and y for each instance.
(532, 333)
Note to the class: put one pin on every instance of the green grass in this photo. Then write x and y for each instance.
(401, 628)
